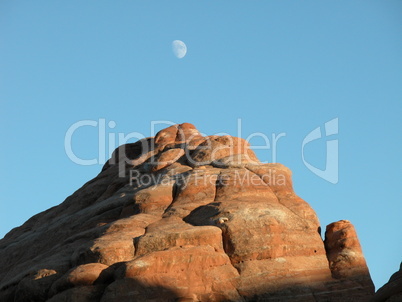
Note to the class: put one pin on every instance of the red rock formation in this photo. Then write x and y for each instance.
(182, 217)
(344, 253)
(392, 290)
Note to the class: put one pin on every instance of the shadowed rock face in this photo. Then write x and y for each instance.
(392, 290)
(182, 217)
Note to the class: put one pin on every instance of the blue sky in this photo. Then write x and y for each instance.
(279, 66)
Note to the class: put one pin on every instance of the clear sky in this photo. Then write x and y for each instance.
(282, 67)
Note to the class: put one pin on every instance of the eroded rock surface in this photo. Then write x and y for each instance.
(183, 217)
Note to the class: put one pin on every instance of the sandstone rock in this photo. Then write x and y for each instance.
(346, 259)
(215, 148)
(133, 154)
(392, 290)
(270, 246)
(187, 132)
(278, 178)
(193, 189)
(35, 287)
(167, 158)
(166, 136)
(174, 232)
(90, 293)
(130, 289)
(116, 243)
(152, 199)
(182, 217)
(241, 184)
(199, 271)
(343, 250)
(176, 134)
(82, 275)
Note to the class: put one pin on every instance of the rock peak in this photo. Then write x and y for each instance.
(176, 134)
(183, 217)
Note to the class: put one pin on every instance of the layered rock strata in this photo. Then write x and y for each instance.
(183, 217)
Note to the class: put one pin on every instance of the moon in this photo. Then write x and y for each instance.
(179, 49)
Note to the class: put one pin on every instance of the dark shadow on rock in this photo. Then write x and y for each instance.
(203, 215)
(32, 288)
(108, 275)
(317, 291)
(392, 290)
(130, 152)
(111, 287)
(89, 293)
(128, 290)
(108, 287)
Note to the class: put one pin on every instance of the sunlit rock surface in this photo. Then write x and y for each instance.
(183, 217)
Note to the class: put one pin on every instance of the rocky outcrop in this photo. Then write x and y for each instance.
(183, 217)
(392, 290)
(344, 253)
